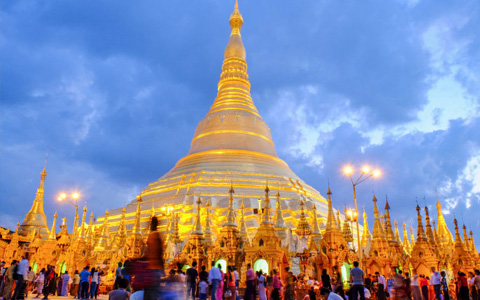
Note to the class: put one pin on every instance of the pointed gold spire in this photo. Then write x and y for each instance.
(243, 226)
(137, 230)
(53, 235)
(197, 226)
(378, 232)
(465, 238)
(266, 216)
(428, 227)
(444, 235)
(330, 217)
(406, 243)
(208, 230)
(121, 234)
(420, 231)
(366, 236)
(102, 243)
(388, 224)
(90, 233)
(231, 220)
(458, 238)
(235, 48)
(412, 236)
(315, 237)
(303, 228)
(280, 226)
(339, 222)
(397, 233)
(81, 234)
(36, 218)
(316, 229)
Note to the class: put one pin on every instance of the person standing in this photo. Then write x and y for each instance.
(424, 286)
(250, 290)
(237, 280)
(21, 280)
(93, 284)
(277, 285)
(444, 286)
(75, 283)
(381, 286)
(415, 286)
(192, 275)
(221, 284)
(262, 292)
(435, 278)
(65, 280)
(120, 293)
(326, 283)
(9, 280)
(476, 283)
(462, 285)
(118, 275)
(289, 285)
(85, 282)
(154, 256)
(30, 281)
(39, 281)
(214, 277)
(230, 283)
(357, 278)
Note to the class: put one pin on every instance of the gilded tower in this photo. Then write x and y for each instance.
(231, 144)
(35, 220)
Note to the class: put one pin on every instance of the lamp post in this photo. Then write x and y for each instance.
(73, 200)
(366, 174)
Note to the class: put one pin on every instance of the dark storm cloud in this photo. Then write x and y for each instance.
(114, 92)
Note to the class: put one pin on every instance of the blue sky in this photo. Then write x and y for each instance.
(113, 90)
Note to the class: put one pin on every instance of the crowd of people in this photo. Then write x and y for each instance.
(18, 280)
(146, 279)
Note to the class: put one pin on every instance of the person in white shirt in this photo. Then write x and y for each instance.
(415, 286)
(381, 286)
(214, 277)
(21, 279)
(435, 278)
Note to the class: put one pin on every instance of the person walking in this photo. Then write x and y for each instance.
(221, 284)
(75, 283)
(289, 285)
(262, 292)
(21, 279)
(214, 277)
(415, 286)
(444, 286)
(251, 278)
(326, 283)
(49, 283)
(381, 286)
(30, 281)
(476, 283)
(192, 276)
(9, 279)
(85, 282)
(462, 284)
(435, 278)
(424, 286)
(154, 257)
(65, 280)
(277, 285)
(357, 278)
(93, 284)
(39, 281)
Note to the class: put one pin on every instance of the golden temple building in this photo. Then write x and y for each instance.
(217, 204)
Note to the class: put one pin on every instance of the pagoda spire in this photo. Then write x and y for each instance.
(406, 243)
(366, 236)
(397, 233)
(81, 234)
(137, 230)
(102, 243)
(36, 218)
(378, 232)
(303, 228)
(90, 233)
(388, 224)
(420, 231)
(197, 226)
(465, 238)
(266, 217)
(315, 237)
(443, 233)
(339, 222)
(121, 235)
(243, 226)
(472, 245)
(330, 217)
(458, 238)
(231, 220)
(412, 236)
(53, 235)
(279, 221)
(346, 230)
(428, 226)
(208, 229)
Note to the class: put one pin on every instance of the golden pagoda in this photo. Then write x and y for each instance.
(36, 220)
(231, 144)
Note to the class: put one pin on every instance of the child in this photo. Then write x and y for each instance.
(203, 289)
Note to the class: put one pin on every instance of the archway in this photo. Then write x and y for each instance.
(223, 264)
(345, 269)
(261, 264)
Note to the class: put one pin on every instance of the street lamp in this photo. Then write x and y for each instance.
(366, 174)
(73, 200)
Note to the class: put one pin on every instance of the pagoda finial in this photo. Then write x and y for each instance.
(243, 226)
(235, 46)
(388, 223)
(458, 238)
(197, 226)
(53, 235)
(316, 229)
(397, 233)
(366, 236)
(428, 227)
(82, 226)
(330, 217)
(208, 230)
(231, 220)
(406, 243)
(137, 230)
(465, 238)
(378, 232)
(266, 218)
(36, 218)
(303, 227)
(420, 231)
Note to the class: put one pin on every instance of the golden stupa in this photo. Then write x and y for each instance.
(232, 145)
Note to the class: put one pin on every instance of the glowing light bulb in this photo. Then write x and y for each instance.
(348, 170)
(377, 173)
(366, 169)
